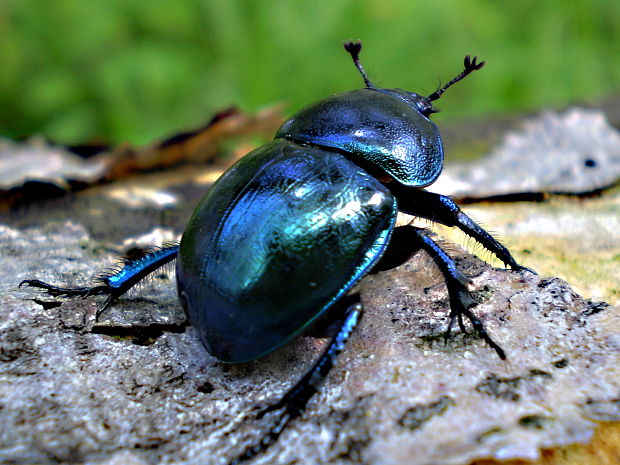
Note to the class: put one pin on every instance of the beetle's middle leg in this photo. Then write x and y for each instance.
(406, 240)
(294, 402)
(444, 210)
(116, 283)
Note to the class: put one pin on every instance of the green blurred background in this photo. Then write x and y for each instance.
(81, 71)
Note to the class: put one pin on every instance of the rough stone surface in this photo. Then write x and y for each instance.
(399, 395)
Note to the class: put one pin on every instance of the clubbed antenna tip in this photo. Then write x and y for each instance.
(470, 64)
(354, 49)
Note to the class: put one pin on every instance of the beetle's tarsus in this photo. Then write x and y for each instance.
(108, 302)
(271, 408)
(272, 435)
(56, 291)
(460, 302)
(454, 316)
(83, 292)
(459, 318)
(482, 333)
(518, 267)
(462, 306)
(461, 324)
(511, 263)
(268, 439)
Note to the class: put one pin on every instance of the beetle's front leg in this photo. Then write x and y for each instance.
(444, 210)
(406, 240)
(460, 299)
(294, 402)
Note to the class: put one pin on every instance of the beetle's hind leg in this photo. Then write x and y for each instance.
(116, 283)
(407, 240)
(56, 291)
(294, 402)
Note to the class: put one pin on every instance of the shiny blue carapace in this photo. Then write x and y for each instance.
(279, 238)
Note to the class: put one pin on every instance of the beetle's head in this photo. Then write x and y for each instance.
(423, 104)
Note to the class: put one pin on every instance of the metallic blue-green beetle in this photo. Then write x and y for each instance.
(281, 238)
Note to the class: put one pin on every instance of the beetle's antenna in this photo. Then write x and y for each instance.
(470, 66)
(354, 50)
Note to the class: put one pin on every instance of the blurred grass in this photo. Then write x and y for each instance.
(81, 71)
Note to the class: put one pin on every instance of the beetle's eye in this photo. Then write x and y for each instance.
(428, 111)
(422, 104)
(425, 106)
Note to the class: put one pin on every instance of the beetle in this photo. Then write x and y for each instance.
(316, 207)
